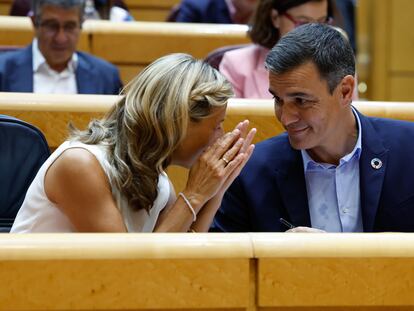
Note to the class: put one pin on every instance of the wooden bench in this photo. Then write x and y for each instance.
(52, 113)
(5, 6)
(141, 10)
(64, 272)
(239, 271)
(132, 46)
(18, 31)
(334, 272)
(151, 10)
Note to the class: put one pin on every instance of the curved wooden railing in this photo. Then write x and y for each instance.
(132, 46)
(244, 271)
(52, 113)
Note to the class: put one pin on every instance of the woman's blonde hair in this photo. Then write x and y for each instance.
(145, 127)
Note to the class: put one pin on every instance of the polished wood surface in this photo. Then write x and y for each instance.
(41, 109)
(385, 48)
(52, 114)
(154, 10)
(18, 31)
(132, 46)
(207, 271)
(141, 10)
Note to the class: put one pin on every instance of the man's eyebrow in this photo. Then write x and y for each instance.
(300, 94)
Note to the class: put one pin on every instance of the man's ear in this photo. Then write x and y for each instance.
(346, 89)
(275, 18)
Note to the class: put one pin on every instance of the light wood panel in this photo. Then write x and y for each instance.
(141, 10)
(4, 9)
(15, 31)
(124, 272)
(387, 46)
(243, 271)
(401, 40)
(132, 46)
(335, 271)
(5, 6)
(401, 87)
(154, 10)
(52, 114)
(143, 42)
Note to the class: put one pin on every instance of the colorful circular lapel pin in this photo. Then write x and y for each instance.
(376, 163)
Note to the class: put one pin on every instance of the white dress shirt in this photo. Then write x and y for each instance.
(334, 196)
(48, 81)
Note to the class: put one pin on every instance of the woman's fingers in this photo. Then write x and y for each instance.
(229, 155)
(248, 140)
(224, 143)
(222, 162)
(236, 167)
(243, 126)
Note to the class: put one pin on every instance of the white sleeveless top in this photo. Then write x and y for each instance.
(39, 214)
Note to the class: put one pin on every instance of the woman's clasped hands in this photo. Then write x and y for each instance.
(220, 164)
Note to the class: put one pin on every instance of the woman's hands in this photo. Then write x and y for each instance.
(209, 178)
(220, 164)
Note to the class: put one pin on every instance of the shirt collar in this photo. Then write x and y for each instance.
(39, 60)
(309, 163)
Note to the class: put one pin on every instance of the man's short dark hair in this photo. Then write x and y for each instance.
(37, 6)
(321, 44)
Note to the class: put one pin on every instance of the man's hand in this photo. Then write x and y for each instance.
(305, 230)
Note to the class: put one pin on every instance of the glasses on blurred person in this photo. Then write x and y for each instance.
(51, 27)
(302, 21)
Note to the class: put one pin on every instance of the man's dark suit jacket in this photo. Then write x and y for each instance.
(204, 11)
(272, 184)
(93, 75)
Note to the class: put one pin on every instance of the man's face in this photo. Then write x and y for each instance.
(57, 31)
(306, 109)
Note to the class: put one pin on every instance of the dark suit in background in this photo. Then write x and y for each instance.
(204, 11)
(93, 75)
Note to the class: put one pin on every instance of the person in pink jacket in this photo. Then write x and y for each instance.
(244, 67)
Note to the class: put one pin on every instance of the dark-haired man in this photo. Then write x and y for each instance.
(334, 169)
(51, 63)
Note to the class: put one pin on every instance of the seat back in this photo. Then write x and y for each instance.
(23, 149)
(214, 58)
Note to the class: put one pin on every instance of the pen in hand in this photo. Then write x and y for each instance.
(286, 223)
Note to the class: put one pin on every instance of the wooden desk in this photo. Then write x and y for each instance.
(18, 31)
(52, 113)
(334, 272)
(132, 46)
(65, 272)
(238, 271)
(154, 10)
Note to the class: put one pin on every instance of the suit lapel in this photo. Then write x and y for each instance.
(21, 77)
(292, 187)
(371, 175)
(84, 77)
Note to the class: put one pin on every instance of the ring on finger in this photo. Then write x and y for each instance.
(225, 160)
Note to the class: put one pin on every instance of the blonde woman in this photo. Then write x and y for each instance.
(110, 178)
